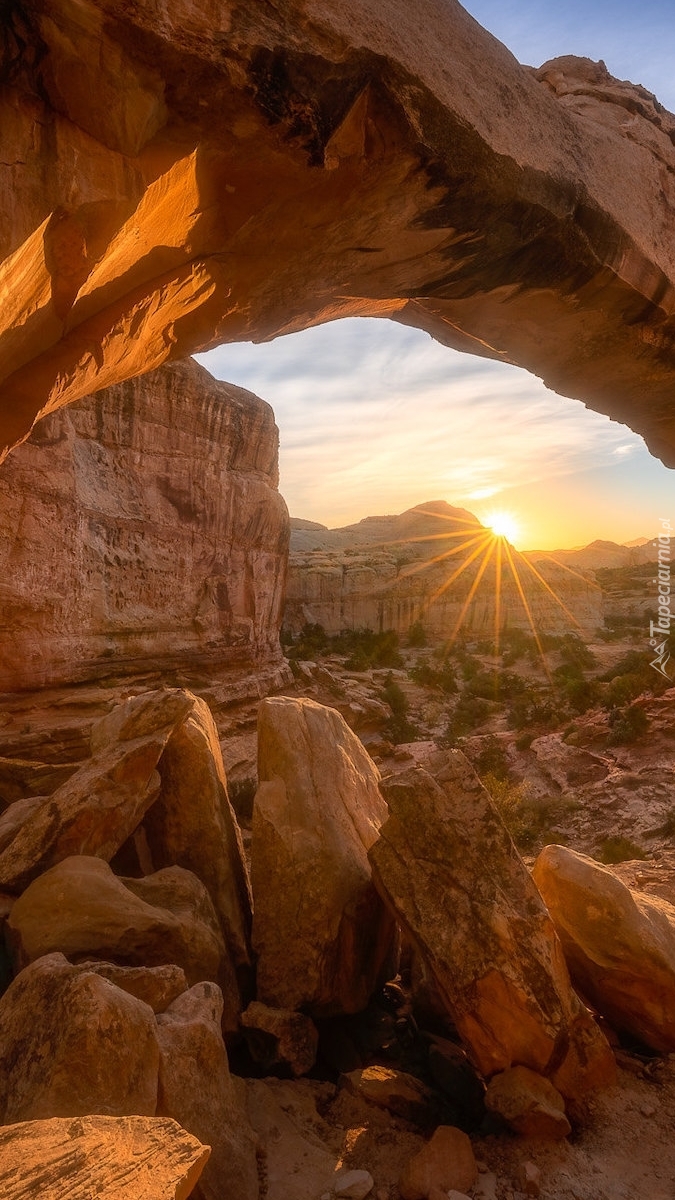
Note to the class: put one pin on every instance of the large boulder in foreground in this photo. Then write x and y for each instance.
(322, 934)
(196, 1089)
(619, 944)
(448, 868)
(81, 909)
(192, 824)
(111, 1158)
(96, 810)
(72, 1043)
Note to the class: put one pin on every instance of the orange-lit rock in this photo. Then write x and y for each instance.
(180, 176)
(322, 935)
(72, 1043)
(112, 1158)
(142, 529)
(81, 909)
(447, 866)
(619, 944)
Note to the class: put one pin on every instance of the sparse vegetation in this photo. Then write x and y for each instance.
(399, 728)
(627, 725)
(417, 635)
(530, 820)
(619, 849)
(468, 713)
(362, 647)
(443, 677)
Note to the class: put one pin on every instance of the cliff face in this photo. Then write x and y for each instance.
(389, 572)
(142, 530)
(176, 175)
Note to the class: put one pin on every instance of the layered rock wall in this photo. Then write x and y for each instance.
(435, 564)
(141, 530)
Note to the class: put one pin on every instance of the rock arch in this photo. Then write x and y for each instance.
(176, 175)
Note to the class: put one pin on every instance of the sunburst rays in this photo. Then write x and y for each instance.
(493, 563)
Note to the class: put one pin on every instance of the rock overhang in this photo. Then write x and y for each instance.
(181, 177)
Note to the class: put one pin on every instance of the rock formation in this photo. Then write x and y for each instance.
(390, 572)
(321, 933)
(174, 179)
(448, 868)
(191, 1048)
(619, 945)
(142, 531)
(81, 909)
(72, 1043)
(112, 1158)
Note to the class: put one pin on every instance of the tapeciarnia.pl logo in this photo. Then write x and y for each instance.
(659, 631)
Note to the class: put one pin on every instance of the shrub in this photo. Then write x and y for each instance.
(469, 712)
(417, 635)
(529, 820)
(428, 676)
(492, 759)
(398, 728)
(627, 725)
(618, 850)
(524, 741)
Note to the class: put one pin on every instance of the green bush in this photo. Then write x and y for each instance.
(428, 676)
(469, 712)
(529, 820)
(619, 849)
(627, 725)
(417, 635)
(492, 759)
(398, 728)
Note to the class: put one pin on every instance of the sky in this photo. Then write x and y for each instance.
(375, 417)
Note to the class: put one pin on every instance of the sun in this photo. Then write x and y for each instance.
(504, 525)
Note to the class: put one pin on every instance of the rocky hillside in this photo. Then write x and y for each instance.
(605, 555)
(142, 1055)
(391, 572)
(141, 530)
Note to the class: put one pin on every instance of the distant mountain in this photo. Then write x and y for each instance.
(416, 530)
(601, 554)
(430, 564)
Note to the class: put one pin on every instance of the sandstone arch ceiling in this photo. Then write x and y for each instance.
(180, 173)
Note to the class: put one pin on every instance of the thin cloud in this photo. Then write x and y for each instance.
(368, 409)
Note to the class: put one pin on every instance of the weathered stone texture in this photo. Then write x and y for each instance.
(447, 866)
(321, 932)
(112, 1158)
(174, 178)
(619, 944)
(142, 528)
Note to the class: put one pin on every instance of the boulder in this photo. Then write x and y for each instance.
(80, 908)
(447, 1161)
(195, 1089)
(353, 1185)
(295, 1142)
(280, 1038)
(619, 944)
(401, 1094)
(111, 1158)
(528, 1103)
(97, 808)
(448, 868)
(156, 986)
(192, 824)
(71, 1043)
(322, 935)
(16, 815)
(141, 716)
